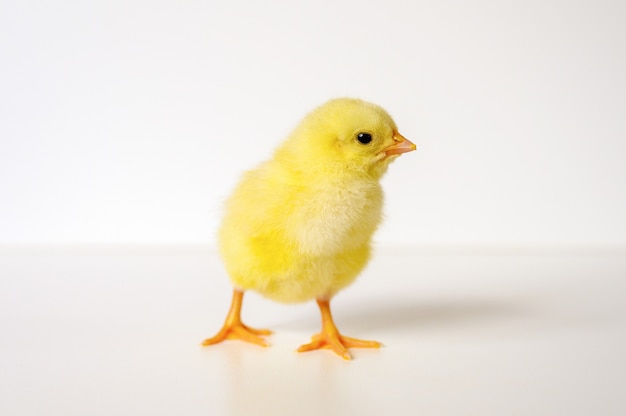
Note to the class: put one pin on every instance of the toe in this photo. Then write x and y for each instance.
(359, 343)
(258, 331)
(315, 345)
(214, 340)
(245, 335)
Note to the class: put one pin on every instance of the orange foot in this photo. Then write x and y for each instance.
(235, 329)
(332, 339)
(238, 331)
(338, 343)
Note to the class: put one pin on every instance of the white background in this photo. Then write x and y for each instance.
(130, 121)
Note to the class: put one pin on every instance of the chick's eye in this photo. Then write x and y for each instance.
(364, 138)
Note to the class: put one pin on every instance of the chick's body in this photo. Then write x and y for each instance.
(294, 235)
(299, 226)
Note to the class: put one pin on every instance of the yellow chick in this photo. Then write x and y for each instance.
(299, 226)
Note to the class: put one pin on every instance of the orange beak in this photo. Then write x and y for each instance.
(402, 145)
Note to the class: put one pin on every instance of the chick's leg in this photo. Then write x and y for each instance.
(233, 328)
(331, 338)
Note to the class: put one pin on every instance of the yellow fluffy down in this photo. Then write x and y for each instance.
(299, 226)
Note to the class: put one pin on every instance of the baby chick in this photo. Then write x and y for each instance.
(299, 226)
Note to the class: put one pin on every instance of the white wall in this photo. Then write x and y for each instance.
(129, 121)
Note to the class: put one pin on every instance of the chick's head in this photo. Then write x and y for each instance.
(348, 135)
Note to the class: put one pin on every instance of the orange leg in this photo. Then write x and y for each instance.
(233, 328)
(331, 338)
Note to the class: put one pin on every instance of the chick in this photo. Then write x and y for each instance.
(299, 226)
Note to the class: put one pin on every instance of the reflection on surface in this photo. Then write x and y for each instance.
(256, 382)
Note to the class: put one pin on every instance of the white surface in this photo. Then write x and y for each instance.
(130, 120)
(117, 332)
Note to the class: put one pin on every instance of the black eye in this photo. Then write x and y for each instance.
(364, 138)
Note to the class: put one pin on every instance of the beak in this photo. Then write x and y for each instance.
(402, 145)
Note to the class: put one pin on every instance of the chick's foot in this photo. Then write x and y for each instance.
(332, 339)
(233, 328)
(338, 343)
(241, 332)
